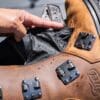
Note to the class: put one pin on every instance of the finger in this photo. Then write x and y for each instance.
(20, 31)
(48, 24)
(30, 20)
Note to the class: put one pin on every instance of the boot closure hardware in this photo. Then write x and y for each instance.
(67, 72)
(85, 41)
(31, 89)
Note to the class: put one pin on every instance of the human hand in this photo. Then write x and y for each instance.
(14, 22)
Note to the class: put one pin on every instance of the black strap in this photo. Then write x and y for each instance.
(94, 8)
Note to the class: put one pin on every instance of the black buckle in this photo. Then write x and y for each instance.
(31, 89)
(67, 72)
(85, 41)
(53, 12)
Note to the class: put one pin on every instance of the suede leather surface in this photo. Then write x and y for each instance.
(81, 20)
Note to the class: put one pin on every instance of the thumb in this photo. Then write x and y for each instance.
(20, 31)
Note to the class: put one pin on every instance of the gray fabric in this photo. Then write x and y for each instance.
(40, 44)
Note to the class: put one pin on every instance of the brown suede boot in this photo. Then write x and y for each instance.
(72, 75)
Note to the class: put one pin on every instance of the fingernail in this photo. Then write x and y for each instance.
(60, 24)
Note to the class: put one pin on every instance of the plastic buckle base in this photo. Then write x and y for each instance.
(85, 41)
(67, 72)
(31, 89)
